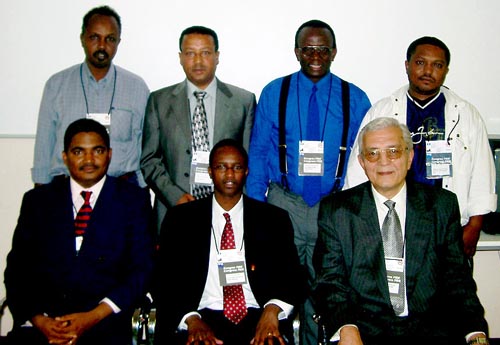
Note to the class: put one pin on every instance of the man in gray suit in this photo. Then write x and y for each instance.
(169, 160)
(423, 292)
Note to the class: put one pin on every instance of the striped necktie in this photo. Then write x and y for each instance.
(82, 219)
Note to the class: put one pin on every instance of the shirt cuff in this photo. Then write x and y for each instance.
(183, 325)
(471, 334)
(111, 304)
(286, 309)
(336, 336)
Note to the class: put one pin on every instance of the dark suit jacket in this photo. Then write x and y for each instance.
(167, 139)
(271, 259)
(44, 274)
(351, 285)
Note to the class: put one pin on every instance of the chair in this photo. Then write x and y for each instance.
(144, 322)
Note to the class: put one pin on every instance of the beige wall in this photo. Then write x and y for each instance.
(15, 179)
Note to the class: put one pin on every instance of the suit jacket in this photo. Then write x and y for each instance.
(44, 274)
(272, 261)
(351, 285)
(167, 138)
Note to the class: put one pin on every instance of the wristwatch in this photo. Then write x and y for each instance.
(478, 340)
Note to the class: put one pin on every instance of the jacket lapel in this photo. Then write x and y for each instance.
(368, 234)
(418, 228)
(181, 110)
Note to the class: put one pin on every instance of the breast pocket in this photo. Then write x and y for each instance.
(121, 125)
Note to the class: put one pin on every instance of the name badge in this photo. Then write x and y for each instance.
(103, 118)
(438, 160)
(395, 276)
(311, 158)
(231, 266)
(199, 168)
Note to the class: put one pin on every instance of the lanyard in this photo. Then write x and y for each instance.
(326, 111)
(85, 94)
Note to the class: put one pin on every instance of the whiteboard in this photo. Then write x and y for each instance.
(256, 38)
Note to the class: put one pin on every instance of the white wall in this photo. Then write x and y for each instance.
(39, 38)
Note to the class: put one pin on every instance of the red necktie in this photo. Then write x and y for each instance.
(83, 215)
(235, 308)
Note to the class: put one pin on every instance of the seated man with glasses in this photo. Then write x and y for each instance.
(303, 124)
(389, 259)
(449, 136)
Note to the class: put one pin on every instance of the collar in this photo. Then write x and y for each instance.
(219, 210)
(210, 90)
(323, 83)
(108, 77)
(423, 104)
(76, 190)
(399, 199)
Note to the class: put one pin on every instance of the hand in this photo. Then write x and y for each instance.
(56, 331)
(349, 335)
(267, 331)
(200, 333)
(471, 232)
(185, 198)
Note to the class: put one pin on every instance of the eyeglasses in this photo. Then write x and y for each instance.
(323, 51)
(392, 153)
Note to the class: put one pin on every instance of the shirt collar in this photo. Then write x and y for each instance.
(210, 90)
(306, 83)
(76, 190)
(88, 75)
(399, 199)
(220, 211)
(417, 103)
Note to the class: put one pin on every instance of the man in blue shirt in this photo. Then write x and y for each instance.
(95, 89)
(312, 154)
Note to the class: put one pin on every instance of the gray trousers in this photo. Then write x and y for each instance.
(305, 224)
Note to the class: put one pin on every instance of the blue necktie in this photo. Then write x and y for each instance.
(312, 184)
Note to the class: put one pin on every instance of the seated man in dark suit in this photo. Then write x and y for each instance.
(394, 275)
(226, 244)
(78, 267)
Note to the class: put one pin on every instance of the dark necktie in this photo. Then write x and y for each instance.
(235, 308)
(392, 238)
(83, 217)
(312, 184)
(200, 139)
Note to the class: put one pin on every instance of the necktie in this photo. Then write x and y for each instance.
(235, 308)
(312, 184)
(200, 139)
(82, 218)
(392, 237)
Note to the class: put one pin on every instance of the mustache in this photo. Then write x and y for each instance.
(88, 165)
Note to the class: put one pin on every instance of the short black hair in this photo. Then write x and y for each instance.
(202, 30)
(104, 11)
(85, 125)
(433, 41)
(315, 24)
(229, 142)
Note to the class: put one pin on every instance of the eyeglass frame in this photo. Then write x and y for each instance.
(316, 50)
(396, 154)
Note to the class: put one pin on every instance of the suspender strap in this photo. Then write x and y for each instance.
(345, 131)
(285, 86)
